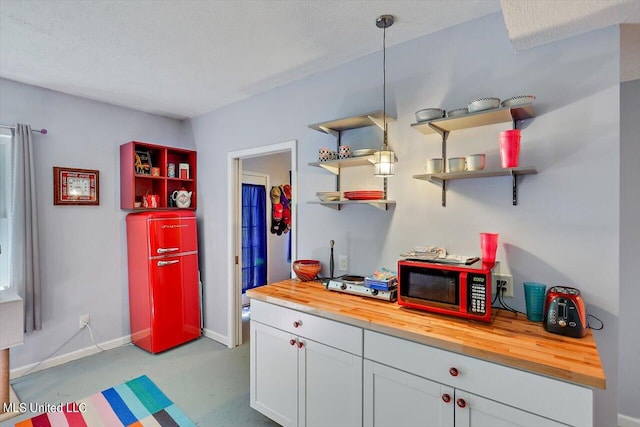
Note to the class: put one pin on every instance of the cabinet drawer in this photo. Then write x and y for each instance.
(557, 400)
(325, 331)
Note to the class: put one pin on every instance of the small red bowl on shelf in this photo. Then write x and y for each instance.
(306, 269)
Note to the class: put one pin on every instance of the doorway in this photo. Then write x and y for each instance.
(254, 247)
(238, 162)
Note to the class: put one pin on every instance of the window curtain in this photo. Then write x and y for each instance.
(24, 249)
(254, 236)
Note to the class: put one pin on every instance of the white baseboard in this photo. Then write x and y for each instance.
(92, 349)
(222, 339)
(74, 355)
(626, 421)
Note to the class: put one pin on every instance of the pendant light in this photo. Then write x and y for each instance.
(383, 160)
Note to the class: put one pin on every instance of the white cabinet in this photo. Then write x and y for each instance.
(475, 411)
(395, 398)
(308, 370)
(274, 374)
(305, 370)
(448, 389)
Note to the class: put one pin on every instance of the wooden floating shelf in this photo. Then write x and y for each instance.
(353, 122)
(380, 204)
(442, 178)
(486, 173)
(480, 118)
(334, 166)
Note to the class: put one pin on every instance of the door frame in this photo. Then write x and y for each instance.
(234, 229)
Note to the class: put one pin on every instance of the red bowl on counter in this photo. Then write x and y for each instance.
(306, 269)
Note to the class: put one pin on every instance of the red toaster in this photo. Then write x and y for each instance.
(564, 312)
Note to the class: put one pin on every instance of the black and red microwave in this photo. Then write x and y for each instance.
(452, 289)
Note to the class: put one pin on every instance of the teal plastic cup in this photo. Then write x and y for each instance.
(534, 298)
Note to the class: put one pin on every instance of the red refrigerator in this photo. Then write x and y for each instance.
(164, 287)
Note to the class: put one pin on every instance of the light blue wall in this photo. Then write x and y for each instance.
(629, 374)
(567, 221)
(83, 248)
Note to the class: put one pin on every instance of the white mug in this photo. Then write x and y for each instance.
(344, 149)
(434, 165)
(344, 152)
(457, 164)
(475, 162)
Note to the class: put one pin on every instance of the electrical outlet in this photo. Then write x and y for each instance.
(343, 263)
(505, 281)
(84, 320)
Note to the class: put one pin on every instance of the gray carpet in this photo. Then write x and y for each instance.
(207, 380)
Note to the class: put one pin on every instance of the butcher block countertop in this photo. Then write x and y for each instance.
(510, 339)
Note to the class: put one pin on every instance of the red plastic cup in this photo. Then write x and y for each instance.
(509, 148)
(488, 246)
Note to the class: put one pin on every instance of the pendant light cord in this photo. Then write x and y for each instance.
(384, 84)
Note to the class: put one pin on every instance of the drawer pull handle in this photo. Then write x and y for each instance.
(300, 344)
(461, 403)
(297, 324)
(292, 342)
(165, 250)
(453, 372)
(446, 398)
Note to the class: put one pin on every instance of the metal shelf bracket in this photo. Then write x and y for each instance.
(444, 134)
(378, 122)
(332, 132)
(514, 182)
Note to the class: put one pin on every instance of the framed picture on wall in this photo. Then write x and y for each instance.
(73, 186)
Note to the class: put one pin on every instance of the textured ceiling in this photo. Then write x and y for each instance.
(185, 58)
(532, 23)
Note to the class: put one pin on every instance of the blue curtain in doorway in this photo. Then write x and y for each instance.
(254, 236)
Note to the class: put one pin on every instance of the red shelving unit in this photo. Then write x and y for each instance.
(137, 181)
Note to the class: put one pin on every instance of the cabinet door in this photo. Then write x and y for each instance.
(331, 386)
(476, 411)
(274, 374)
(395, 398)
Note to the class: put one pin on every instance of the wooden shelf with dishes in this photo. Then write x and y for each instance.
(443, 126)
(334, 166)
(335, 129)
(145, 169)
(383, 204)
(480, 118)
(485, 173)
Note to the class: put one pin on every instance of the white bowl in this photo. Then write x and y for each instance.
(518, 100)
(482, 104)
(429, 114)
(363, 152)
(457, 112)
(328, 196)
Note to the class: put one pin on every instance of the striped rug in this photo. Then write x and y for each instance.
(136, 403)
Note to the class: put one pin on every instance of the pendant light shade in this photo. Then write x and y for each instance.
(383, 160)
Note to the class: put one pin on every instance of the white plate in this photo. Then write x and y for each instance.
(329, 198)
(518, 100)
(363, 152)
(482, 104)
(457, 112)
(429, 114)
